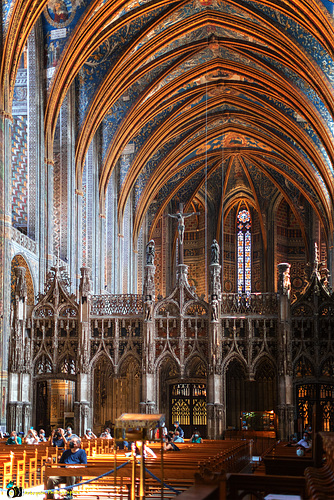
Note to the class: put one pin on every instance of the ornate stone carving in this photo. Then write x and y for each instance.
(215, 250)
(84, 286)
(20, 285)
(150, 253)
(284, 284)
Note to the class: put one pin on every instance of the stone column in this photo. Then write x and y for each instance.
(215, 406)
(149, 403)
(78, 238)
(285, 386)
(148, 407)
(26, 416)
(216, 422)
(49, 207)
(83, 407)
(14, 416)
(82, 416)
(19, 363)
(5, 236)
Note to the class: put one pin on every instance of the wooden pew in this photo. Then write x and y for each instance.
(179, 467)
(320, 479)
(282, 460)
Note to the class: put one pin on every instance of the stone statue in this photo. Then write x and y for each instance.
(214, 308)
(148, 308)
(284, 284)
(215, 252)
(180, 216)
(150, 252)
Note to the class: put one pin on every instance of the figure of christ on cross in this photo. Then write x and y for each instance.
(180, 216)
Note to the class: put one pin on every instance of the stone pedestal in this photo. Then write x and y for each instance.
(215, 420)
(147, 407)
(14, 416)
(82, 417)
(285, 425)
(26, 416)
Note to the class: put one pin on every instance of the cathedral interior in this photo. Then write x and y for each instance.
(167, 182)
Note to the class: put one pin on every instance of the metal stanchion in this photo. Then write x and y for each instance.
(115, 463)
(133, 475)
(142, 472)
(162, 462)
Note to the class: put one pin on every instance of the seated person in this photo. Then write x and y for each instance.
(106, 434)
(177, 438)
(178, 428)
(69, 434)
(58, 438)
(14, 438)
(41, 436)
(89, 434)
(148, 453)
(196, 437)
(74, 456)
(169, 445)
(305, 442)
(31, 437)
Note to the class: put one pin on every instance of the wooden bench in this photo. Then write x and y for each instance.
(282, 460)
(320, 479)
(179, 468)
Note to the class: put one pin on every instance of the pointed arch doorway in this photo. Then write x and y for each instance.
(188, 406)
(184, 399)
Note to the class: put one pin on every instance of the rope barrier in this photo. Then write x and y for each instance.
(164, 484)
(78, 484)
(89, 480)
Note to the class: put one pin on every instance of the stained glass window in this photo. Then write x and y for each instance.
(244, 242)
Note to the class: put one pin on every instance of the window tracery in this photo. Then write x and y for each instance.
(244, 243)
(43, 366)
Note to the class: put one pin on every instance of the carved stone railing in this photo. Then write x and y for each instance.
(116, 305)
(253, 303)
(24, 240)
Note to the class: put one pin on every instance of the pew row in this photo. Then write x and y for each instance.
(179, 468)
(320, 479)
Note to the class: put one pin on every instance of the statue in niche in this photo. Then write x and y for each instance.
(215, 252)
(214, 307)
(284, 283)
(148, 308)
(150, 252)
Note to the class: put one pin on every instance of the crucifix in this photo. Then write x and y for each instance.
(180, 216)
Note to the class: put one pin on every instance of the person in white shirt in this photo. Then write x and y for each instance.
(89, 434)
(305, 442)
(31, 437)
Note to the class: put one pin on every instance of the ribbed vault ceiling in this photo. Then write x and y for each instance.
(212, 97)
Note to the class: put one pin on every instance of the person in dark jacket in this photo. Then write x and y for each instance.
(73, 456)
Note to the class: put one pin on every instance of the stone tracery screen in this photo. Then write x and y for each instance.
(244, 251)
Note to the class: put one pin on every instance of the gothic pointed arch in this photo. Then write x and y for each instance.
(264, 389)
(327, 368)
(43, 365)
(236, 392)
(196, 367)
(20, 261)
(102, 391)
(168, 369)
(304, 368)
